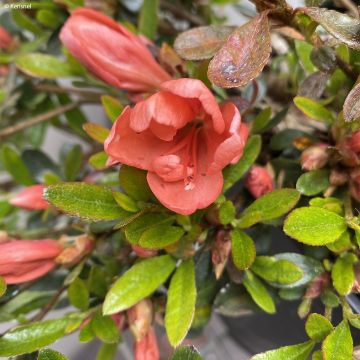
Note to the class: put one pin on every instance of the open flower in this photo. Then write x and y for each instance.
(111, 52)
(184, 140)
(26, 260)
(30, 198)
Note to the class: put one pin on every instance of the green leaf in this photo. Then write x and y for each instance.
(186, 353)
(330, 203)
(141, 280)
(314, 226)
(143, 223)
(48, 18)
(342, 244)
(341, 26)
(98, 161)
(261, 121)
(227, 212)
(202, 42)
(339, 344)
(180, 306)
(134, 183)
(303, 50)
(2, 286)
(278, 271)
(112, 106)
(96, 132)
(148, 18)
(43, 66)
(317, 355)
(160, 236)
(107, 352)
(318, 327)
(258, 292)
(126, 202)
(29, 338)
(242, 249)
(49, 354)
(15, 166)
(233, 173)
(313, 182)
(78, 294)
(84, 200)
(25, 22)
(343, 275)
(105, 329)
(313, 109)
(269, 206)
(71, 161)
(292, 352)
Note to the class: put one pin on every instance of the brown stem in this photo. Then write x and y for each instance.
(40, 118)
(181, 12)
(66, 90)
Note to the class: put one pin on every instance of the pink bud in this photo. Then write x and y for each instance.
(259, 181)
(119, 319)
(142, 252)
(31, 198)
(317, 285)
(147, 348)
(314, 157)
(26, 260)
(140, 317)
(5, 39)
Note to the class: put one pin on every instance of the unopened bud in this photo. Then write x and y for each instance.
(259, 181)
(338, 177)
(220, 252)
(304, 308)
(317, 285)
(314, 157)
(30, 198)
(76, 247)
(147, 348)
(140, 317)
(119, 319)
(142, 252)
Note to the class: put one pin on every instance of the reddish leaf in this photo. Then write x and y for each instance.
(352, 104)
(244, 54)
(202, 42)
(341, 26)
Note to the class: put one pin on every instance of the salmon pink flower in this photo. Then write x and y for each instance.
(31, 198)
(147, 348)
(26, 260)
(183, 139)
(259, 181)
(6, 39)
(111, 52)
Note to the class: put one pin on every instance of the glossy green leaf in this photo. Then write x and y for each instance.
(43, 66)
(202, 42)
(242, 249)
(186, 353)
(313, 182)
(292, 352)
(342, 244)
(84, 200)
(313, 109)
(112, 106)
(303, 50)
(258, 292)
(343, 274)
(141, 280)
(339, 344)
(96, 132)
(15, 166)
(28, 338)
(180, 306)
(126, 202)
(160, 236)
(269, 206)
(227, 212)
(78, 294)
(99, 160)
(49, 354)
(233, 173)
(134, 183)
(318, 327)
(48, 18)
(105, 329)
(314, 226)
(148, 18)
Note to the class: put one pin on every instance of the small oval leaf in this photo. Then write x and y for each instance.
(242, 249)
(318, 327)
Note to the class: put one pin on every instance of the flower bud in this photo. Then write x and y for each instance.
(349, 149)
(317, 285)
(76, 247)
(142, 252)
(220, 252)
(140, 317)
(30, 198)
(119, 319)
(6, 39)
(259, 181)
(314, 157)
(147, 348)
(338, 177)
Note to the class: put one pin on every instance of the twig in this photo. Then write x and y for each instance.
(181, 12)
(40, 118)
(66, 90)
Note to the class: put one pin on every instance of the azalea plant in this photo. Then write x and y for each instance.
(216, 135)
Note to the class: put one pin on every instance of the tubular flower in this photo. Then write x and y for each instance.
(183, 139)
(6, 39)
(26, 260)
(111, 52)
(31, 198)
(147, 348)
(259, 181)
